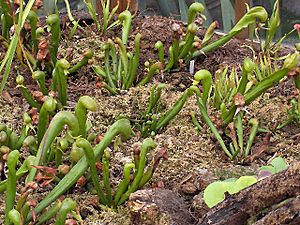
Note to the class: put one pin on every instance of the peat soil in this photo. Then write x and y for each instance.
(194, 158)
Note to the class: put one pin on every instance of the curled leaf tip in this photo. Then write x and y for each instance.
(248, 65)
(20, 79)
(200, 74)
(125, 14)
(88, 103)
(123, 125)
(158, 45)
(88, 54)
(50, 104)
(253, 122)
(63, 63)
(291, 61)
(38, 75)
(194, 9)
(51, 19)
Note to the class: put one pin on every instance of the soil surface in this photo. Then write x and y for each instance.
(194, 157)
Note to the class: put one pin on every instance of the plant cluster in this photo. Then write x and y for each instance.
(58, 87)
(62, 146)
(191, 46)
(53, 145)
(230, 99)
(120, 66)
(36, 47)
(241, 92)
(152, 120)
(50, 143)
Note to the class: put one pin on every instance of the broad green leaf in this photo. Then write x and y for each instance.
(230, 180)
(214, 193)
(245, 181)
(279, 164)
(232, 188)
(270, 169)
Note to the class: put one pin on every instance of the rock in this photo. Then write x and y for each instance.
(188, 188)
(7, 96)
(194, 183)
(203, 179)
(158, 206)
(198, 206)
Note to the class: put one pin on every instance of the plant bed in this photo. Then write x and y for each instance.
(195, 157)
